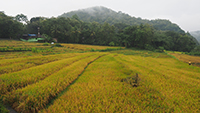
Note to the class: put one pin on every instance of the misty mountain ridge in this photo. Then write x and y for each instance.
(102, 14)
(93, 10)
(196, 34)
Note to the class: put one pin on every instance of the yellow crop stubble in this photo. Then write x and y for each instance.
(17, 64)
(96, 90)
(164, 87)
(176, 84)
(22, 78)
(38, 95)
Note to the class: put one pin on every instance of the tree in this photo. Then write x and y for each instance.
(35, 22)
(21, 18)
(9, 28)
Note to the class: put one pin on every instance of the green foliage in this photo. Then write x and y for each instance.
(34, 50)
(46, 44)
(3, 109)
(105, 50)
(21, 18)
(195, 51)
(103, 14)
(92, 49)
(111, 43)
(3, 49)
(58, 45)
(47, 38)
(10, 28)
(161, 49)
(149, 47)
(123, 31)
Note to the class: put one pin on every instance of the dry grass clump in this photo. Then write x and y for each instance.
(133, 80)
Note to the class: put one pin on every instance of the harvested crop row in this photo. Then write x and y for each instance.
(99, 89)
(35, 97)
(36, 59)
(25, 63)
(167, 65)
(12, 81)
(177, 84)
(85, 47)
(14, 43)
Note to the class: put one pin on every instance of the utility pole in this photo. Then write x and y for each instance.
(39, 32)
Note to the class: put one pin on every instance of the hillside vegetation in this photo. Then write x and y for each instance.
(102, 14)
(149, 35)
(196, 34)
(73, 79)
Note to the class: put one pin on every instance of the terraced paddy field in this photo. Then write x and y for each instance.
(195, 60)
(76, 80)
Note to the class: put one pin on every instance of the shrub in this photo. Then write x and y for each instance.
(92, 49)
(46, 44)
(161, 49)
(3, 49)
(149, 47)
(34, 50)
(58, 45)
(47, 38)
(111, 44)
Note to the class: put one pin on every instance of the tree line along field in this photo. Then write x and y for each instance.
(84, 78)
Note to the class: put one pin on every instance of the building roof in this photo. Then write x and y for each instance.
(32, 35)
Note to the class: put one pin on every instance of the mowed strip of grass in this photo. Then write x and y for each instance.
(13, 65)
(36, 96)
(164, 87)
(12, 81)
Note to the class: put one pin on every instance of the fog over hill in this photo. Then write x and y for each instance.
(102, 14)
(196, 34)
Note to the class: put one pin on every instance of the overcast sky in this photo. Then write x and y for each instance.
(185, 13)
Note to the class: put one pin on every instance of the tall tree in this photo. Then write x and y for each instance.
(9, 28)
(21, 18)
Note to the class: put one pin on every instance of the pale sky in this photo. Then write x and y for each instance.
(185, 13)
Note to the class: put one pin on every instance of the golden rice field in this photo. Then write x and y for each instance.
(195, 60)
(84, 81)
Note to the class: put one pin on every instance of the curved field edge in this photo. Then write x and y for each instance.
(100, 89)
(12, 81)
(17, 64)
(36, 96)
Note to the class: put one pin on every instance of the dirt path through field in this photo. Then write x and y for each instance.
(10, 109)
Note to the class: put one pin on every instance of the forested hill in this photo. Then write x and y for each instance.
(196, 34)
(101, 14)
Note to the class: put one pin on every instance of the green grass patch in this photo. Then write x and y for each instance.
(3, 108)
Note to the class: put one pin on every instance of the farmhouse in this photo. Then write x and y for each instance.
(31, 38)
(28, 36)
